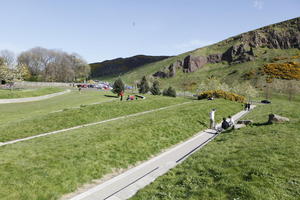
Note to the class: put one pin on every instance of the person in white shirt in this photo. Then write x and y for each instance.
(212, 119)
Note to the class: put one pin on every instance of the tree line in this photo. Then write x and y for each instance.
(41, 64)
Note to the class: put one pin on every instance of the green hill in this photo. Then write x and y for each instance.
(231, 59)
(119, 66)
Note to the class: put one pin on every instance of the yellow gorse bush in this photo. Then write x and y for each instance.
(287, 70)
(221, 94)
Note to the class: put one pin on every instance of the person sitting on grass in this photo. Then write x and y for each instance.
(225, 124)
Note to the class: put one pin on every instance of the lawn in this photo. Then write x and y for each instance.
(48, 167)
(257, 162)
(22, 93)
(23, 111)
(78, 116)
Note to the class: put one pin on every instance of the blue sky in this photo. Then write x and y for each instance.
(100, 30)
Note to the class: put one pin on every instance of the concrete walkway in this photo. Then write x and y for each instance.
(90, 124)
(29, 99)
(127, 184)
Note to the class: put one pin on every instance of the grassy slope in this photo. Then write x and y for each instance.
(86, 114)
(222, 71)
(23, 111)
(46, 168)
(257, 162)
(21, 93)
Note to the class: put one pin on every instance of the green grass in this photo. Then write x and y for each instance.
(16, 112)
(22, 93)
(256, 162)
(48, 167)
(85, 114)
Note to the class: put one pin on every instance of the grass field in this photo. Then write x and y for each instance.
(24, 111)
(22, 93)
(48, 167)
(77, 116)
(257, 162)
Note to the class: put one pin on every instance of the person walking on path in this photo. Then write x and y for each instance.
(212, 119)
(248, 106)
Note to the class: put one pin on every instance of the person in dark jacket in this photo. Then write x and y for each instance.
(225, 124)
(248, 106)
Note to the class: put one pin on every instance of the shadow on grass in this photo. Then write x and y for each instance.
(202, 123)
(261, 124)
(106, 95)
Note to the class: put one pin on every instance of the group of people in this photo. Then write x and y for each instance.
(226, 123)
(129, 97)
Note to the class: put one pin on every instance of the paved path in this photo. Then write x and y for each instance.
(90, 124)
(127, 184)
(29, 99)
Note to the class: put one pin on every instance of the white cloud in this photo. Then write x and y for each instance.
(192, 44)
(258, 4)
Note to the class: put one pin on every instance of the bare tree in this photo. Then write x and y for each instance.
(8, 58)
(54, 65)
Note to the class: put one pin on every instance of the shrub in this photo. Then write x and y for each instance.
(287, 70)
(118, 86)
(155, 88)
(221, 94)
(171, 92)
(143, 86)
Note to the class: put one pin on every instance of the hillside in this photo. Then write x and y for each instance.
(119, 66)
(230, 59)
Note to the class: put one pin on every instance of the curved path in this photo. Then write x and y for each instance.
(128, 183)
(29, 99)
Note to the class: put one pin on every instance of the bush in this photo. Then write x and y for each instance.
(155, 88)
(171, 92)
(221, 94)
(287, 70)
(118, 86)
(143, 86)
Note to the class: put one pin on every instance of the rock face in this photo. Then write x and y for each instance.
(277, 119)
(214, 58)
(272, 39)
(169, 71)
(282, 35)
(192, 63)
(238, 54)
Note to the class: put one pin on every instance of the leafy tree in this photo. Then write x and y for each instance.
(143, 86)
(118, 86)
(155, 88)
(171, 92)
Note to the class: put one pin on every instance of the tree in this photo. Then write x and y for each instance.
(8, 58)
(212, 84)
(244, 89)
(155, 88)
(171, 92)
(54, 65)
(143, 86)
(118, 86)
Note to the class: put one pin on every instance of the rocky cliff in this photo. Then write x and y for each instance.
(283, 35)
